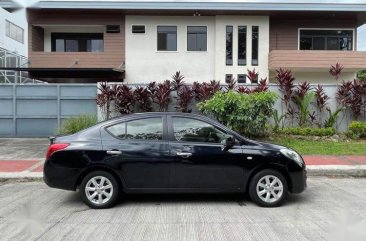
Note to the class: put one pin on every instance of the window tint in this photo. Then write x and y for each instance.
(191, 130)
(196, 38)
(315, 39)
(229, 45)
(167, 38)
(138, 28)
(255, 36)
(77, 42)
(242, 45)
(118, 130)
(13, 31)
(242, 78)
(143, 129)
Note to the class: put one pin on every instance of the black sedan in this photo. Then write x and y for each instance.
(170, 153)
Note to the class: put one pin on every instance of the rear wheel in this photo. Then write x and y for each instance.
(268, 188)
(99, 189)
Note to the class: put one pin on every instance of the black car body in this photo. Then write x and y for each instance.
(170, 152)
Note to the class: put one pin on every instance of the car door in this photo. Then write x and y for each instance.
(140, 151)
(199, 161)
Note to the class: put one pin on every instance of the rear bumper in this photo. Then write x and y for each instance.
(299, 181)
(60, 177)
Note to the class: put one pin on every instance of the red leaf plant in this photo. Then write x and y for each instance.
(185, 95)
(143, 97)
(177, 81)
(124, 99)
(336, 70)
(252, 75)
(162, 95)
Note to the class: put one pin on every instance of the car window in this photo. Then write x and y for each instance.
(192, 130)
(142, 129)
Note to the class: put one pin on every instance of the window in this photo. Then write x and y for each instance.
(143, 129)
(242, 78)
(255, 36)
(14, 31)
(242, 45)
(196, 38)
(228, 78)
(167, 38)
(229, 45)
(191, 130)
(138, 28)
(315, 39)
(77, 42)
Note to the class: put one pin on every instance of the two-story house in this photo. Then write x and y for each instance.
(143, 41)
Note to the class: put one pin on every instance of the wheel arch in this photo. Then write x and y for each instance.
(275, 167)
(85, 172)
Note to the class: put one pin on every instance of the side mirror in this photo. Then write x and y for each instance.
(229, 142)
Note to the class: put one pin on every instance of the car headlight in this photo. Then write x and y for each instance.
(293, 155)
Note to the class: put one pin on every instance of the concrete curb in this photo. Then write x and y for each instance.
(337, 170)
(312, 170)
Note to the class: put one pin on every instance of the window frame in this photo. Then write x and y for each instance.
(246, 45)
(252, 53)
(8, 25)
(245, 78)
(172, 137)
(229, 61)
(70, 36)
(164, 136)
(341, 29)
(205, 26)
(157, 38)
(140, 25)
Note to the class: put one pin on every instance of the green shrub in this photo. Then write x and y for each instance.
(307, 131)
(247, 114)
(76, 124)
(357, 129)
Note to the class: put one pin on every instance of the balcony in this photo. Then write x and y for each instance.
(75, 60)
(315, 60)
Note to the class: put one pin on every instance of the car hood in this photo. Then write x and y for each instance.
(268, 146)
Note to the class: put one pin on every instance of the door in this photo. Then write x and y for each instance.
(199, 161)
(140, 151)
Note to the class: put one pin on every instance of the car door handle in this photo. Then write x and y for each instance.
(114, 152)
(184, 154)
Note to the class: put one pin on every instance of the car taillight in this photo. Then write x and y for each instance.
(55, 147)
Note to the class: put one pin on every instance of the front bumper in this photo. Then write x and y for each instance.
(299, 181)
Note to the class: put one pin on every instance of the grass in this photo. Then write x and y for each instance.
(321, 147)
(75, 124)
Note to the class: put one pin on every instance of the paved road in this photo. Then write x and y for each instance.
(330, 209)
(23, 148)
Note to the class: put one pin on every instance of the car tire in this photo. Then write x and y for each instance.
(268, 188)
(99, 189)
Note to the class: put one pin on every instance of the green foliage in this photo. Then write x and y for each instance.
(303, 105)
(247, 114)
(76, 124)
(277, 120)
(357, 129)
(332, 117)
(361, 75)
(307, 131)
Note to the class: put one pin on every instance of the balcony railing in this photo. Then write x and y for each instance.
(316, 59)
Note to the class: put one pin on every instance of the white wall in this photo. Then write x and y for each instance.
(67, 29)
(314, 77)
(144, 63)
(18, 18)
(263, 49)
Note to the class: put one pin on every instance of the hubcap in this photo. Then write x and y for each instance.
(269, 189)
(99, 190)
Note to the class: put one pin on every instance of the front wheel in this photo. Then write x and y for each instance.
(99, 190)
(268, 188)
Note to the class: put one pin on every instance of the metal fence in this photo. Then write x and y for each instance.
(37, 110)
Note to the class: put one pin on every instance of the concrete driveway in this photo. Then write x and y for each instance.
(23, 148)
(330, 209)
